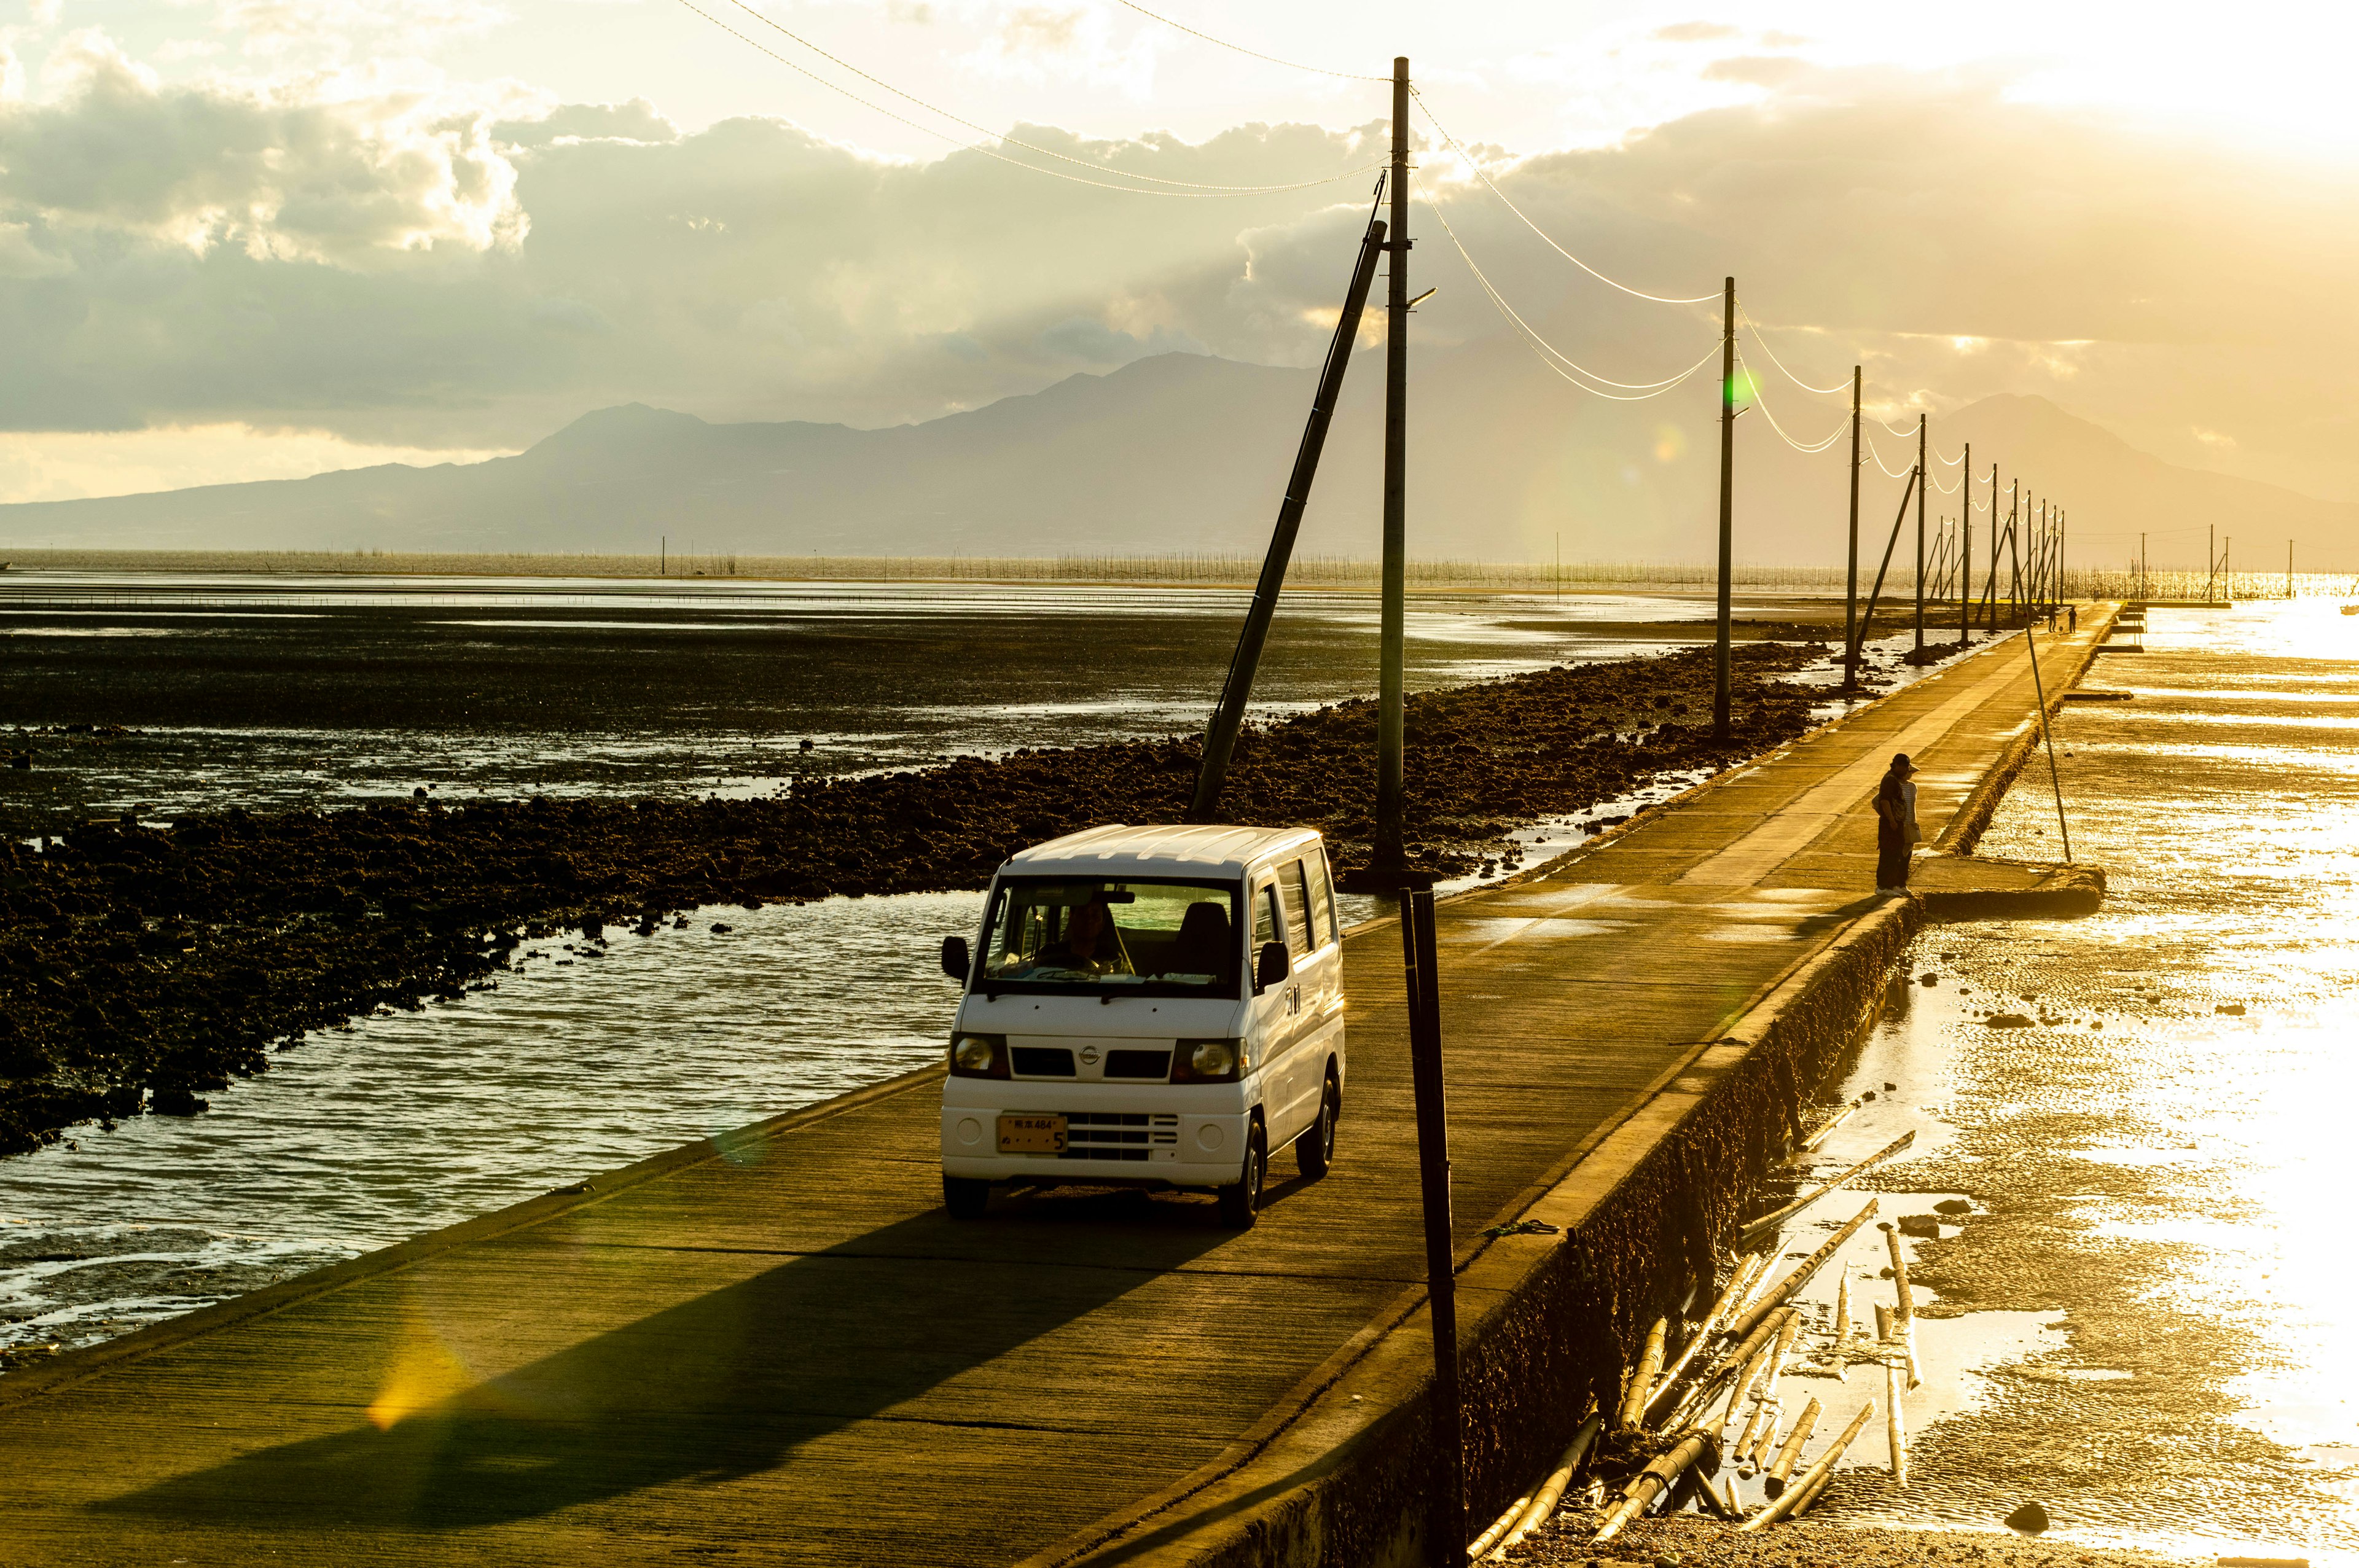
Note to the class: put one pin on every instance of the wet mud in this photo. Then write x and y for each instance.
(143, 967)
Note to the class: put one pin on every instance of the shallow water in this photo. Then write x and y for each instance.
(318, 691)
(2161, 1337)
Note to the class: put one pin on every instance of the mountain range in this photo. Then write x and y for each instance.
(1181, 453)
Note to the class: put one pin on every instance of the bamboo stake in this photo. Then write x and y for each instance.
(1737, 1391)
(1894, 1431)
(1642, 1377)
(1765, 1405)
(1904, 1317)
(1759, 1433)
(1542, 1504)
(1843, 1327)
(1748, 1270)
(1754, 1228)
(1735, 1357)
(1801, 1273)
(1815, 1476)
(1783, 1465)
(1837, 1120)
(1665, 1468)
(1484, 1541)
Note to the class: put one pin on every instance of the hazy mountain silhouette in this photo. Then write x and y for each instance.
(1183, 452)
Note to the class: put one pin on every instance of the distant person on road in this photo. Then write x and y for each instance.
(2072, 613)
(1895, 825)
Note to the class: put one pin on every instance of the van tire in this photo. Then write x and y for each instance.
(1314, 1151)
(965, 1197)
(1241, 1201)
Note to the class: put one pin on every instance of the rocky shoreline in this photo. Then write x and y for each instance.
(143, 967)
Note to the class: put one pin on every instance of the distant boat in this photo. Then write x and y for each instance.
(2347, 610)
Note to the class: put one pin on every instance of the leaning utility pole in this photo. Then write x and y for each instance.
(1965, 545)
(1727, 495)
(1389, 854)
(1237, 691)
(1925, 484)
(1850, 589)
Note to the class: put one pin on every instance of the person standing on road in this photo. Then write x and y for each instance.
(1895, 825)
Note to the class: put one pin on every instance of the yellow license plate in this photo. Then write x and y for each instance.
(1031, 1134)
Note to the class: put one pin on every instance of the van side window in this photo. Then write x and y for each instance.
(1265, 925)
(1296, 908)
(1293, 889)
(1322, 900)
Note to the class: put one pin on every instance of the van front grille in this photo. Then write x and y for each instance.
(1117, 1134)
(1138, 1065)
(1042, 1062)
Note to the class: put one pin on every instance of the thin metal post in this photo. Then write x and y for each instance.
(1720, 667)
(1851, 581)
(1237, 691)
(2055, 779)
(1446, 1545)
(1391, 789)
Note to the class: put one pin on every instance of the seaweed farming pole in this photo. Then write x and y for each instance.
(1228, 716)
(1727, 493)
(1388, 854)
(1851, 588)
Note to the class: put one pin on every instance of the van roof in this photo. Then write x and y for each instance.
(1122, 849)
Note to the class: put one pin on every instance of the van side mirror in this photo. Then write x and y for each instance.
(954, 958)
(1272, 967)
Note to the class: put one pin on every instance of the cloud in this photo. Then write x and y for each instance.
(343, 169)
(1694, 32)
(402, 260)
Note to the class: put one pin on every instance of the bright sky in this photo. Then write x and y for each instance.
(392, 87)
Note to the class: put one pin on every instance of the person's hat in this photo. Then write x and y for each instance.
(1901, 764)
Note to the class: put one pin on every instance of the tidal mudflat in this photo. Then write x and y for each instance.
(2144, 1321)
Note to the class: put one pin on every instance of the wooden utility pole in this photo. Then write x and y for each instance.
(2288, 568)
(1720, 682)
(2227, 583)
(2141, 566)
(1965, 545)
(1388, 852)
(2211, 558)
(2015, 518)
(1924, 483)
(1851, 581)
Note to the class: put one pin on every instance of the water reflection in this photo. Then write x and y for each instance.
(2162, 1172)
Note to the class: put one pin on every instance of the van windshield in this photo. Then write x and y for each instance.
(1078, 935)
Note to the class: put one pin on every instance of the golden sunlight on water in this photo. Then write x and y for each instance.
(2151, 1309)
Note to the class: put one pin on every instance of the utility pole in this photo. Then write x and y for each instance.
(1389, 854)
(2227, 580)
(2141, 566)
(2211, 558)
(1965, 545)
(1727, 495)
(2015, 518)
(2288, 568)
(1851, 582)
(1924, 483)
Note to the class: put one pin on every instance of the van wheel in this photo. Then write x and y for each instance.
(965, 1197)
(1314, 1152)
(1241, 1204)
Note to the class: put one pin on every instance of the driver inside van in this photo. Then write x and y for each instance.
(1087, 947)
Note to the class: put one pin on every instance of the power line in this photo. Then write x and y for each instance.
(1753, 326)
(1256, 54)
(1481, 175)
(1763, 404)
(1550, 355)
(1205, 191)
(1888, 473)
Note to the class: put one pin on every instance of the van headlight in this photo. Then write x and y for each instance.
(979, 1055)
(1209, 1062)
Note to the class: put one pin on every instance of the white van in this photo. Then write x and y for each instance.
(1156, 1007)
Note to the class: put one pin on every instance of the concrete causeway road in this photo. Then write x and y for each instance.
(783, 1349)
